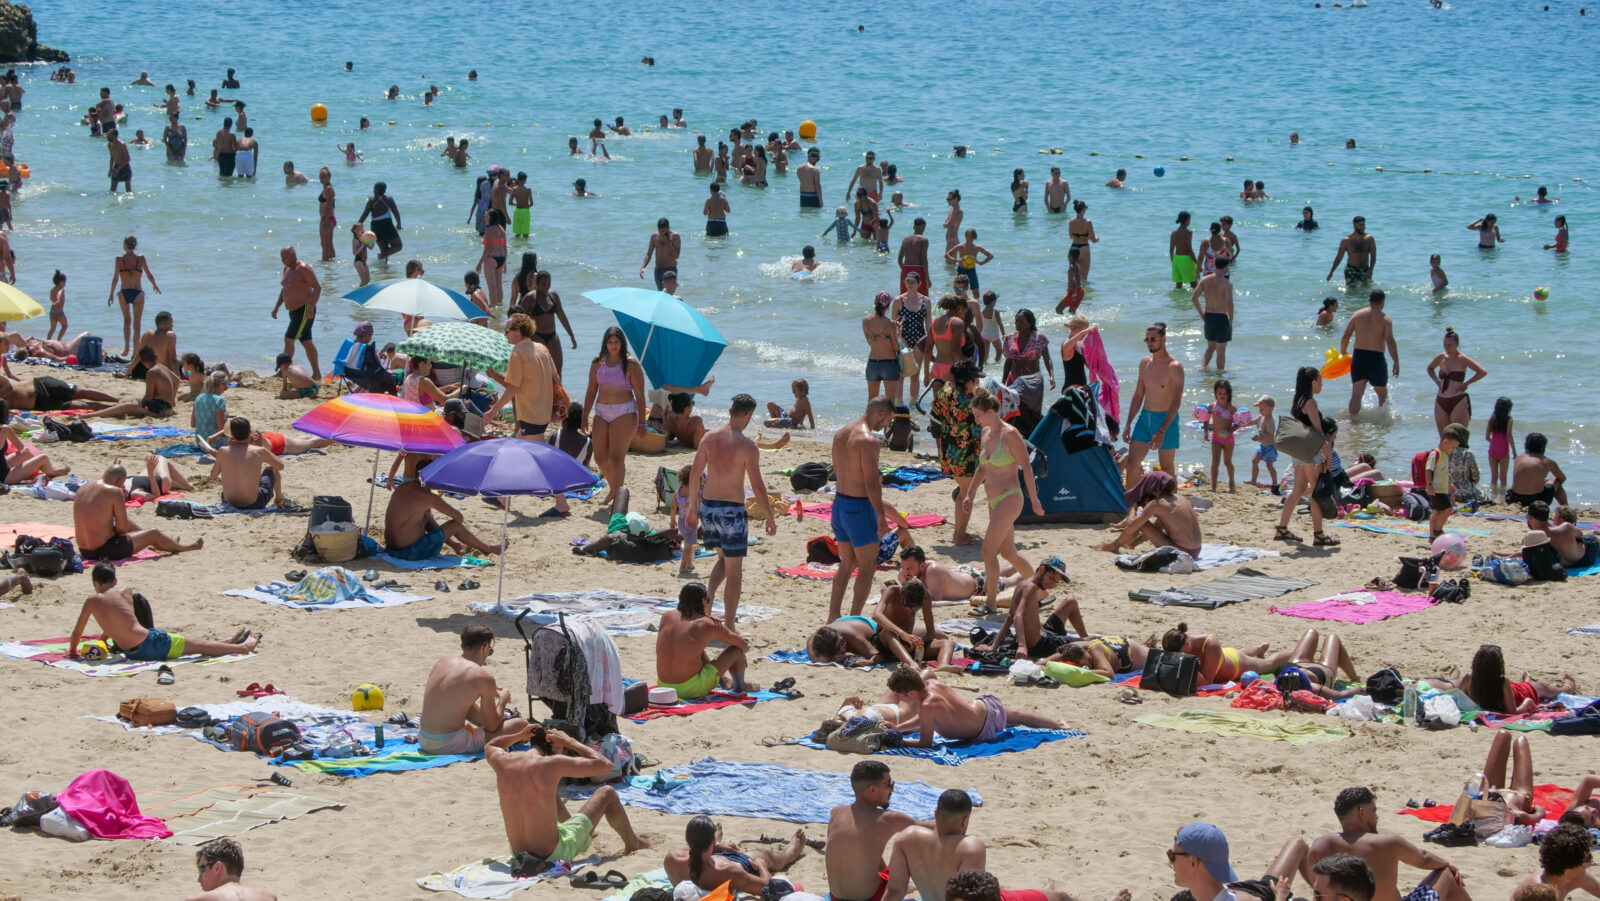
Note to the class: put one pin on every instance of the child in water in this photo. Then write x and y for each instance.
(1561, 236)
(1501, 442)
(841, 224)
(358, 249)
(1436, 272)
(798, 415)
(1074, 295)
(1330, 306)
(1267, 439)
(885, 222)
(1219, 430)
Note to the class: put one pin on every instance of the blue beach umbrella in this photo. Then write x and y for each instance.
(506, 467)
(676, 344)
(414, 297)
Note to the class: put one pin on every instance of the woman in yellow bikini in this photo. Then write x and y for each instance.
(1219, 664)
(1001, 454)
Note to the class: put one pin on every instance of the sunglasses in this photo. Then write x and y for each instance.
(1172, 856)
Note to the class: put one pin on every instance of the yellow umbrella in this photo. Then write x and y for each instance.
(15, 305)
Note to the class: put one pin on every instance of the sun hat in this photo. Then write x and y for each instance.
(1057, 565)
(1534, 538)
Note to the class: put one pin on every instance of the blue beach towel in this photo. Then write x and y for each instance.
(375, 550)
(105, 431)
(767, 791)
(906, 478)
(953, 753)
(801, 655)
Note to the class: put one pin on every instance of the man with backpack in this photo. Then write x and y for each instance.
(113, 611)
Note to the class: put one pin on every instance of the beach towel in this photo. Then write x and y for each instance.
(10, 531)
(308, 717)
(1245, 585)
(53, 652)
(1521, 517)
(1399, 527)
(223, 508)
(1215, 555)
(1299, 731)
(396, 757)
(181, 450)
(619, 613)
(1359, 606)
(714, 701)
(825, 511)
(906, 478)
(374, 550)
(197, 813)
(121, 431)
(327, 597)
(1590, 631)
(700, 551)
(820, 572)
(766, 791)
(1553, 798)
(952, 752)
(801, 655)
(104, 804)
(1576, 571)
(653, 879)
(492, 877)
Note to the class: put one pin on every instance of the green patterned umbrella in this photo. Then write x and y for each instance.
(459, 344)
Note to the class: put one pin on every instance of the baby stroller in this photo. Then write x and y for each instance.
(558, 675)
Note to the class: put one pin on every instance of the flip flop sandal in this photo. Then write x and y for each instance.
(281, 779)
(787, 682)
(614, 879)
(1047, 682)
(269, 689)
(469, 585)
(164, 675)
(253, 690)
(241, 637)
(586, 879)
(816, 844)
(553, 513)
(1129, 696)
(792, 694)
(295, 575)
(1379, 583)
(399, 719)
(442, 586)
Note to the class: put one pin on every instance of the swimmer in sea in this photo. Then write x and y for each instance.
(1120, 181)
(597, 137)
(292, 176)
(1542, 196)
(1436, 273)
(898, 201)
(1350, 143)
(1308, 221)
(807, 261)
(1294, 137)
(621, 130)
(1488, 230)
(1561, 236)
(580, 188)
(1019, 192)
(1330, 307)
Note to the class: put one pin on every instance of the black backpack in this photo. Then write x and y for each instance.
(76, 432)
(1173, 672)
(1386, 687)
(1414, 571)
(1544, 563)
(810, 476)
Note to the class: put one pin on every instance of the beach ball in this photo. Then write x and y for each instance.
(1247, 677)
(1160, 171)
(369, 238)
(1451, 551)
(72, 359)
(366, 697)
(1541, 293)
(808, 129)
(319, 113)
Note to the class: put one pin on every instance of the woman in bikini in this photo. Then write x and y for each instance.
(1220, 664)
(1211, 247)
(325, 218)
(1001, 455)
(616, 397)
(959, 437)
(910, 310)
(125, 278)
(1449, 371)
(473, 286)
(883, 354)
(1108, 655)
(1019, 192)
(492, 264)
(952, 222)
(1488, 231)
(1082, 232)
(866, 214)
(1307, 384)
(1486, 684)
(945, 337)
(544, 306)
(1304, 670)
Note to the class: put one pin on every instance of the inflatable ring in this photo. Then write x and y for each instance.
(23, 169)
(1337, 368)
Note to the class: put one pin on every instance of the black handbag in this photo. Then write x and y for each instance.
(1173, 672)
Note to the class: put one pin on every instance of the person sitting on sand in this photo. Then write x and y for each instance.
(710, 862)
(20, 462)
(113, 611)
(945, 583)
(296, 381)
(1219, 664)
(1164, 517)
(930, 857)
(221, 863)
(683, 660)
(160, 391)
(1108, 655)
(102, 527)
(799, 415)
(1304, 670)
(898, 630)
(681, 425)
(1488, 687)
(1039, 638)
(251, 475)
(532, 809)
(1358, 834)
(45, 394)
(209, 415)
(409, 529)
(1199, 861)
(1565, 854)
(463, 707)
(849, 640)
(1578, 549)
(629, 538)
(859, 831)
(938, 710)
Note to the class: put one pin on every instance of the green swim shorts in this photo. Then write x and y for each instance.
(576, 835)
(698, 686)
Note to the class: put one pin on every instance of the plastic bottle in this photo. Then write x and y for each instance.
(1475, 787)
(1408, 707)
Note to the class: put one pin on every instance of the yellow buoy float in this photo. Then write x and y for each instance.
(808, 130)
(319, 113)
(1335, 364)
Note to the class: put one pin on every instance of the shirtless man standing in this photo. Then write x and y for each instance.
(702, 156)
(160, 391)
(221, 863)
(463, 707)
(810, 178)
(858, 833)
(682, 638)
(251, 474)
(521, 207)
(1180, 251)
(665, 245)
(299, 296)
(1374, 332)
(223, 147)
(1156, 398)
(102, 527)
(716, 210)
(932, 856)
(532, 809)
(858, 521)
(936, 709)
(716, 508)
(1040, 638)
(1359, 250)
(121, 166)
(914, 256)
(1218, 313)
(870, 177)
(104, 115)
(1057, 196)
(113, 611)
(1358, 835)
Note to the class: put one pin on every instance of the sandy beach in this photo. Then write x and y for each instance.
(1093, 814)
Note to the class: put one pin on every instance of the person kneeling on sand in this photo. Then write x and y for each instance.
(102, 527)
(937, 709)
(409, 529)
(113, 611)
(1164, 518)
(221, 863)
(251, 475)
(683, 662)
(462, 706)
(709, 861)
(898, 632)
(527, 784)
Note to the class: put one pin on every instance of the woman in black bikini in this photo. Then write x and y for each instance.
(325, 220)
(1019, 192)
(492, 264)
(522, 282)
(544, 305)
(130, 269)
(1316, 675)
(1082, 232)
(1449, 371)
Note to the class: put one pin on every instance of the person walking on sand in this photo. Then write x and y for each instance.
(1002, 453)
(858, 519)
(665, 245)
(530, 381)
(617, 400)
(1373, 331)
(725, 457)
(127, 274)
(1359, 250)
(1307, 384)
(1153, 412)
(299, 295)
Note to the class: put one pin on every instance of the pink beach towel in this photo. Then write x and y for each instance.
(825, 511)
(104, 803)
(1385, 604)
(10, 531)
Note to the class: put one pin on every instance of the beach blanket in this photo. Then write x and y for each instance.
(283, 595)
(766, 791)
(950, 752)
(1553, 798)
(197, 813)
(1520, 517)
(1591, 569)
(10, 531)
(653, 879)
(1359, 606)
(53, 652)
(1245, 585)
(374, 550)
(492, 877)
(825, 511)
(111, 364)
(1590, 631)
(700, 551)
(396, 757)
(306, 716)
(133, 431)
(820, 572)
(801, 655)
(1299, 731)
(714, 701)
(906, 478)
(181, 450)
(223, 508)
(1399, 527)
(619, 613)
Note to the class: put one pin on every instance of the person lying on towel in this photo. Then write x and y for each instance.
(112, 609)
(933, 707)
(850, 640)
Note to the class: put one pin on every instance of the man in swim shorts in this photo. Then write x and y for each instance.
(1373, 331)
(1359, 250)
(223, 147)
(160, 391)
(665, 245)
(409, 529)
(462, 704)
(914, 256)
(45, 393)
(716, 506)
(940, 711)
(1153, 412)
(1040, 638)
(299, 296)
(858, 520)
(250, 473)
(1358, 835)
(1180, 250)
(716, 211)
(527, 783)
(113, 611)
(1535, 477)
(859, 831)
(121, 165)
(521, 207)
(1218, 313)
(102, 527)
(899, 635)
(683, 638)
(810, 178)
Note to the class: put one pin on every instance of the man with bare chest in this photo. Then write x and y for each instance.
(1152, 416)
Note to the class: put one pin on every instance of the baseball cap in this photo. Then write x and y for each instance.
(1266, 399)
(638, 524)
(1207, 844)
(1057, 565)
(1457, 431)
(455, 405)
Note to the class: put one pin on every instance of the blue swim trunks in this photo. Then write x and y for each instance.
(1148, 422)
(1268, 453)
(158, 645)
(427, 546)
(725, 527)
(854, 523)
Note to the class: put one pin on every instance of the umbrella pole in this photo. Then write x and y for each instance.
(500, 590)
(646, 349)
(372, 490)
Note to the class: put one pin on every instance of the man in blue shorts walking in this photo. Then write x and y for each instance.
(725, 457)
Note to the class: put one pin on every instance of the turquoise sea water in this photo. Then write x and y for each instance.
(1487, 96)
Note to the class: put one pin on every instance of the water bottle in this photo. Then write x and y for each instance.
(1475, 787)
(377, 734)
(1408, 707)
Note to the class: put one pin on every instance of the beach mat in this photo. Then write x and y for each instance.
(1553, 798)
(120, 431)
(820, 572)
(766, 791)
(10, 531)
(275, 593)
(621, 614)
(1245, 585)
(949, 752)
(717, 700)
(1522, 517)
(1591, 569)
(676, 558)
(1359, 607)
(1299, 731)
(492, 877)
(1400, 527)
(825, 511)
(803, 656)
(53, 652)
(374, 551)
(197, 813)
